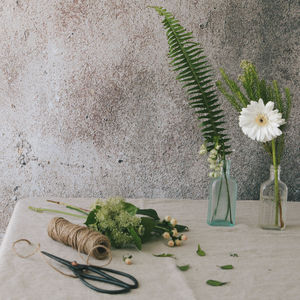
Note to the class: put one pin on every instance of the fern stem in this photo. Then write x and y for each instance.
(228, 199)
(219, 195)
(79, 209)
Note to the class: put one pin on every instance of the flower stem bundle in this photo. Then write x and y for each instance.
(124, 223)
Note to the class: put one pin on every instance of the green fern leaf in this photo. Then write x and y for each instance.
(195, 73)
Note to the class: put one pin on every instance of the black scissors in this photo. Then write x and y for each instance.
(81, 270)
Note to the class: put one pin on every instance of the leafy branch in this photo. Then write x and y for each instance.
(250, 87)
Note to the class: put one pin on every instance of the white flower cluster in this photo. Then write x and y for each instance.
(175, 239)
(214, 159)
(203, 149)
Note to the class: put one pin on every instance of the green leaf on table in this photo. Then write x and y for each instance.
(234, 255)
(200, 252)
(183, 268)
(164, 255)
(148, 212)
(130, 208)
(215, 282)
(136, 239)
(226, 267)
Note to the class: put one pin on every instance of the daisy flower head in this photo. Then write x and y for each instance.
(261, 122)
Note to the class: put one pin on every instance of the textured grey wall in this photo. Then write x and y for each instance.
(89, 106)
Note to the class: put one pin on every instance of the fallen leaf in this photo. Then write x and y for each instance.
(164, 255)
(183, 268)
(226, 267)
(200, 252)
(215, 282)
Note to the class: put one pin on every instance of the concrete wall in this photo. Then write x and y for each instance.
(89, 106)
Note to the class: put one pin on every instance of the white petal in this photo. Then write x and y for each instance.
(260, 135)
(269, 106)
(260, 104)
(260, 101)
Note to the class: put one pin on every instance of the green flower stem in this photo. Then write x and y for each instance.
(79, 209)
(277, 196)
(228, 196)
(219, 195)
(41, 210)
(160, 229)
(229, 202)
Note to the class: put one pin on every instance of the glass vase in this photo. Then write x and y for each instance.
(273, 202)
(222, 198)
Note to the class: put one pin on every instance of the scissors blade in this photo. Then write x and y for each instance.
(61, 260)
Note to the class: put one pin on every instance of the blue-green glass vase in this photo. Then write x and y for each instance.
(222, 198)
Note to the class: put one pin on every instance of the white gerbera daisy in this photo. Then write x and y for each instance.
(261, 122)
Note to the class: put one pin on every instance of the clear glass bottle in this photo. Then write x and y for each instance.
(272, 214)
(222, 198)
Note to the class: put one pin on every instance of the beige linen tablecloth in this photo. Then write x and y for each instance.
(267, 266)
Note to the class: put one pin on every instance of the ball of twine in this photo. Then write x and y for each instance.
(79, 237)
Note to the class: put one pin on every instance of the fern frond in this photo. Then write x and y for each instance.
(195, 74)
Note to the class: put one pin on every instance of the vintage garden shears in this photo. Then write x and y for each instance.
(83, 272)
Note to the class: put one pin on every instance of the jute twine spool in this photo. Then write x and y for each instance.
(79, 237)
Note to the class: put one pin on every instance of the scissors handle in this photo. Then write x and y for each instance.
(124, 287)
(79, 271)
(104, 272)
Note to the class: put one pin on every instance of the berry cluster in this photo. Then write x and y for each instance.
(172, 235)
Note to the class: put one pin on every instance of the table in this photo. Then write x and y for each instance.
(267, 266)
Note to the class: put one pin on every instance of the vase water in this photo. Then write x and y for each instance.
(222, 198)
(272, 213)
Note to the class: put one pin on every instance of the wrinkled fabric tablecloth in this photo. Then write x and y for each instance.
(267, 266)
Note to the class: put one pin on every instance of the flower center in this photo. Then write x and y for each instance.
(261, 119)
